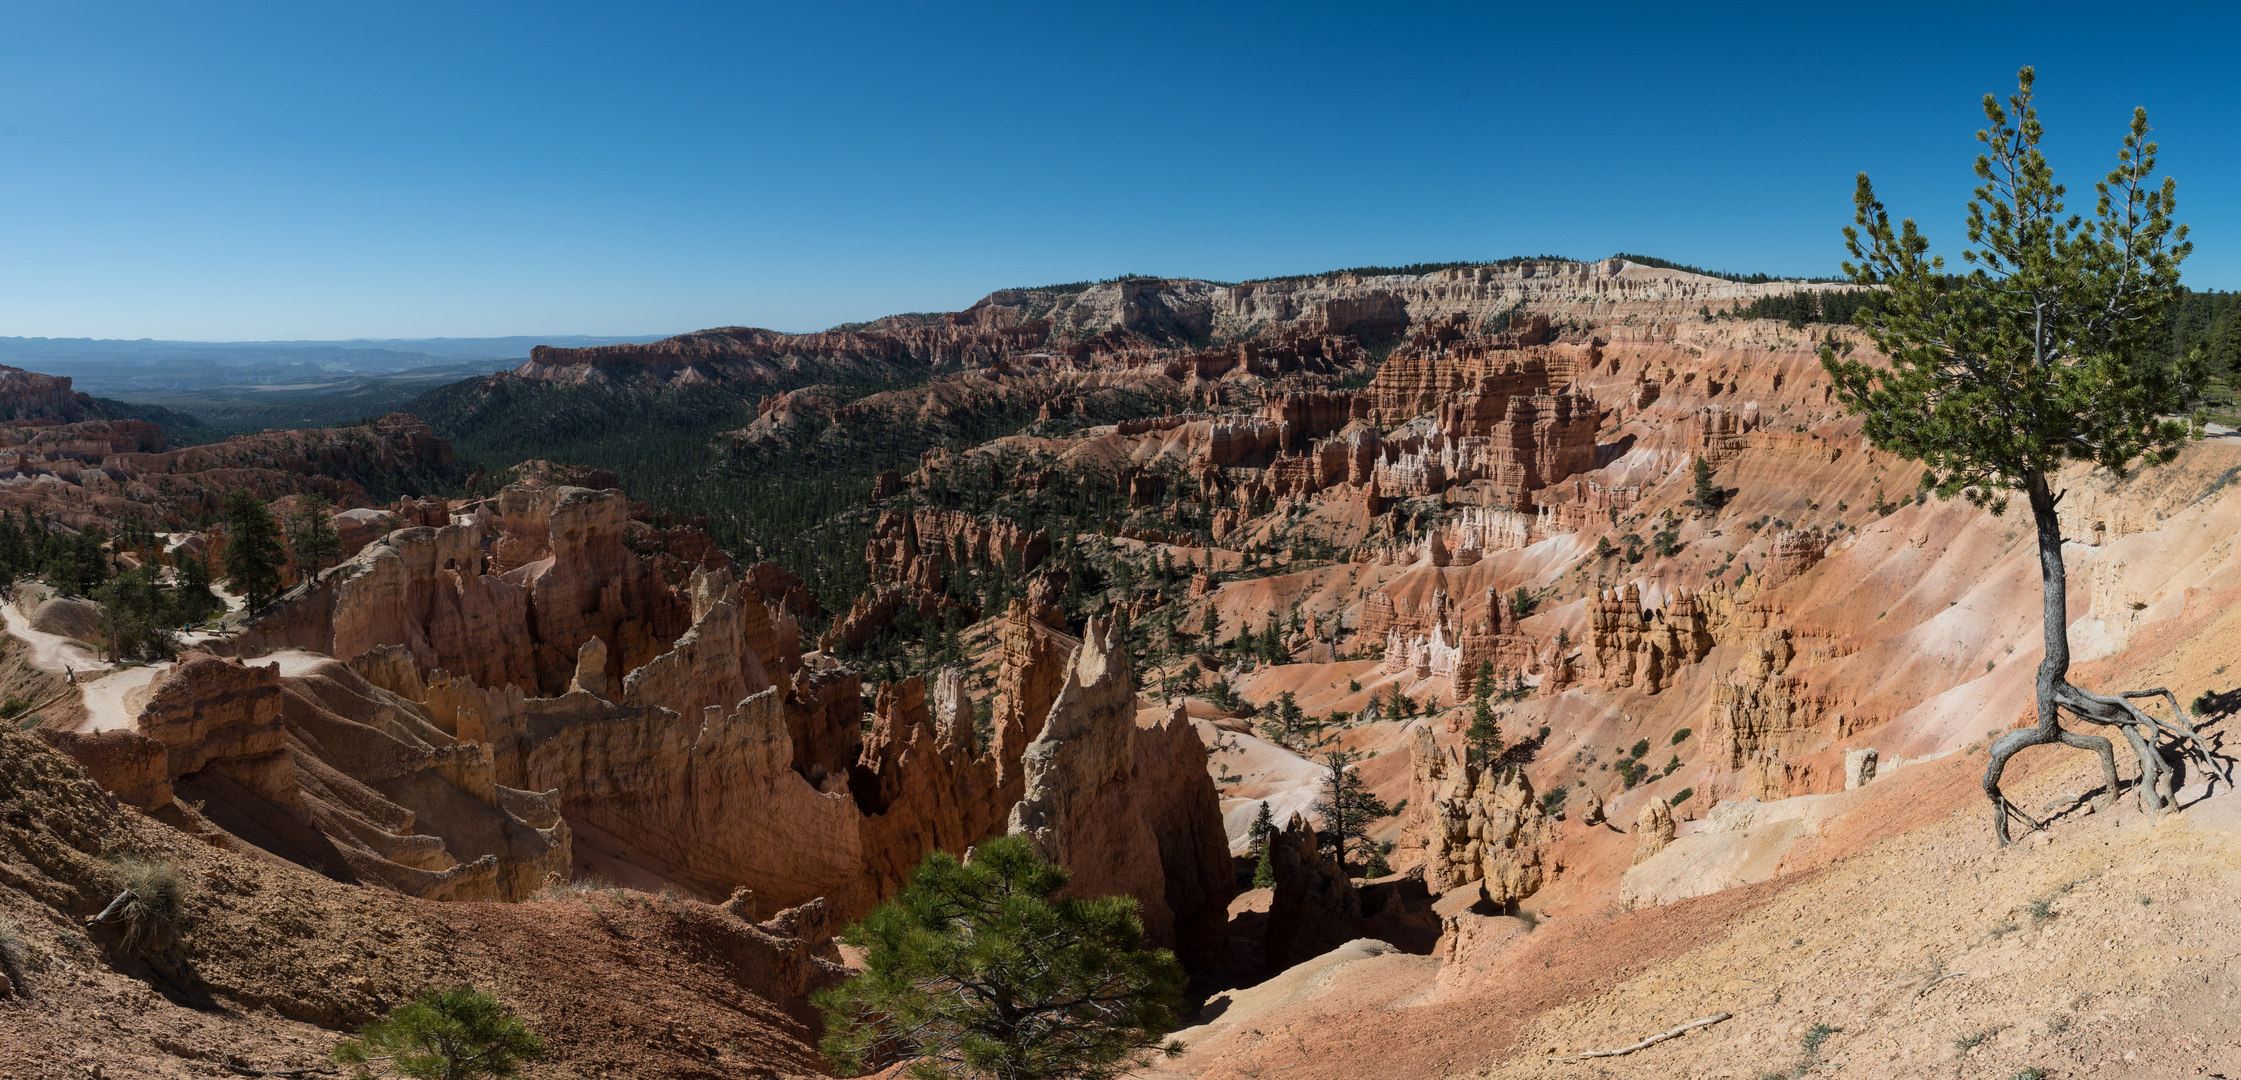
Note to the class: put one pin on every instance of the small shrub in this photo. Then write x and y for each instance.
(150, 905)
(1682, 735)
(1971, 1040)
(1640, 748)
(1815, 1038)
(1681, 796)
(2033, 1073)
(452, 1033)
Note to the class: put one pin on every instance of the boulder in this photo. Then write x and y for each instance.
(1653, 830)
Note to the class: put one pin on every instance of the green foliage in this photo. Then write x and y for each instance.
(1800, 308)
(1264, 867)
(192, 600)
(1289, 726)
(1484, 736)
(983, 970)
(1747, 279)
(1346, 806)
(1680, 796)
(448, 1033)
(1641, 747)
(1682, 735)
(253, 555)
(312, 542)
(1707, 496)
(1554, 800)
(800, 498)
(2044, 352)
(136, 612)
(1412, 269)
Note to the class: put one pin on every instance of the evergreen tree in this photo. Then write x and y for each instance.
(453, 1033)
(1264, 824)
(253, 554)
(1707, 496)
(1210, 626)
(2044, 353)
(134, 611)
(984, 970)
(192, 599)
(1346, 805)
(1264, 869)
(1485, 733)
(15, 557)
(312, 541)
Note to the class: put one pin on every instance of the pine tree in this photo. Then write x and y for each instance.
(253, 554)
(2044, 353)
(312, 542)
(1346, 805)
(1707, 496)
(982, 969)
(1264, 823)
(192, 601)
(451, 1033)
(1485, 733)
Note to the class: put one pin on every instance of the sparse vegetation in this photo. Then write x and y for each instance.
(2053, 332)
(448, 1033)
(984, 970)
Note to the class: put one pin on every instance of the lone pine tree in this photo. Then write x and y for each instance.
(982, 970)
(2043, 353)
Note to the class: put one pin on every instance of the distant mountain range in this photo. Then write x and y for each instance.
(209, 389)
(112, 366)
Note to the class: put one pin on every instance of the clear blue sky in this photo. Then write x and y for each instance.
(314, 170)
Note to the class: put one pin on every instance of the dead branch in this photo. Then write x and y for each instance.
(1651, 1041)
(1933, 982)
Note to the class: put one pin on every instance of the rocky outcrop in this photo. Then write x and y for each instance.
(509, 598)
(87, 472)
(1653, 830)
(1795, 552)
(219, 714)
(1645, 648)
(1479, 827)
(133, 766)
(1128, 810)
(1760, 718)
(1314, 907)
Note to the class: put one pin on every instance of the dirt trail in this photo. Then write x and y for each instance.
(50, 652)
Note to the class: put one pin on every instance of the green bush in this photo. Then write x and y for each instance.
(983, 970)
(448, 1033)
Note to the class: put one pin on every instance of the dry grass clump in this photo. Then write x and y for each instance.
(151, 902)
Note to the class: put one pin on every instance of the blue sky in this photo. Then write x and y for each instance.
(237, 171)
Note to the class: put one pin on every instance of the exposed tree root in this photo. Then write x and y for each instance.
(2143, 730)
(1651, 1041)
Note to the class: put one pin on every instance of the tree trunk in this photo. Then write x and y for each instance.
(2054, 666)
